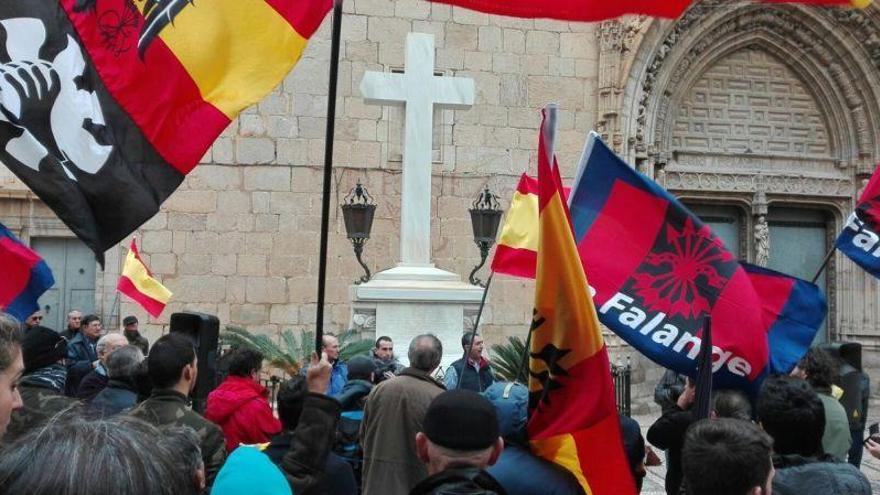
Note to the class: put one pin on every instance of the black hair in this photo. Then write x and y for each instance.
(791, 412)
(10, 340)
(243, 361)
(731, 404)
(291, 397)
(820, 368)
(383, 339)
(183, 445)
(725, 457)
(467, 338)
(167, 358)
(88, 319)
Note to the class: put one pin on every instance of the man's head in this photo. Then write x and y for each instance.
(291, 396)
(124, 362)
(361, 368)
(109, 343)
(731, 404)
(245, 362)
(425, 352)
(384, 348)
(34, 319)
(790, 411)
(172, 363)
(460, 429)
(91, 327)
(818, 368)
(477, 350)
(727, 457)
(11, 368)
(74, 320)
(331, 347)
(182, 443)
(130, 325)
(42, 347)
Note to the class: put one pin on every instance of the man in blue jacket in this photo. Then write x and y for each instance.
(82, 353)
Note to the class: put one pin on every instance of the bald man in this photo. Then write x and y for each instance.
(96, 380)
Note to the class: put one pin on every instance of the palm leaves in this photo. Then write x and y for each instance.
(290, 353)
(507, 360)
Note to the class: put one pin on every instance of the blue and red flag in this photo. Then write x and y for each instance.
(25, 276)
(860, 239)
(657, 272)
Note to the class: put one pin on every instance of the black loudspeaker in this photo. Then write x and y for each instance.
(203, 331)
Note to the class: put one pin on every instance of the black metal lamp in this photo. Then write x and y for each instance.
(485, 218)
(357, 211)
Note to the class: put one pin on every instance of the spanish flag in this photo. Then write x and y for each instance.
(573, 420)
(131, 94)
(138, 283)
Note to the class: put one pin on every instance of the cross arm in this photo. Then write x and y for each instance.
(379, 88)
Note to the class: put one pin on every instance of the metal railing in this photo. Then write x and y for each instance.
(621, 375)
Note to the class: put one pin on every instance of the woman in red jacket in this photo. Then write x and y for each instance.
(240, 405)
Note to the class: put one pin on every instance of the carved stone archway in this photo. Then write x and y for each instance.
(832, 54)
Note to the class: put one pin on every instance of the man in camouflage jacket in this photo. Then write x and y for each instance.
(172, 368)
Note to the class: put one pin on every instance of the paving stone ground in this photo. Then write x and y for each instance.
(653, 484)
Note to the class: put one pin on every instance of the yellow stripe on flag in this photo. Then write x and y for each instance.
(236, 51)
(563, 451)
(520, 228)
(862, 4)
(135, 271)
(560, 288)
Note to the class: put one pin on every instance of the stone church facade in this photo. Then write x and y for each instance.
(764, 119)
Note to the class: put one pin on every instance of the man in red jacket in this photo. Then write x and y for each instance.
(240, 405)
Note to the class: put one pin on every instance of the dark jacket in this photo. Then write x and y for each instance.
(118, 397)
(80, 356)
(169, 407)
(354, 395)
(797, 475)
(240, 407)
(472, 380)
(521, 473)
(92, 384)
(391, 365)
(337, 477)
(312, 441)
(667, 433)
(463, 480)
(138, 340)
(40, 404)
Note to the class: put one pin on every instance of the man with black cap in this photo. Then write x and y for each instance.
(42, 385)
(354, 393)
(130, 330)
(460, 438)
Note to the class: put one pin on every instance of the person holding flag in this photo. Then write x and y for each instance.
(575, 429)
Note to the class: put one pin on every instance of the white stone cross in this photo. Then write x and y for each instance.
(420, 91)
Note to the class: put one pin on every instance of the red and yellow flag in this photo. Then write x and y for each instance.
(138, 283)
(573, 420)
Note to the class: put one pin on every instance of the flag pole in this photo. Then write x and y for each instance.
(824, 263)
(476, 326)
(328, 172)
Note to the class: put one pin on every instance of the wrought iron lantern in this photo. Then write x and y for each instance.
(358, 209)
(485, 218)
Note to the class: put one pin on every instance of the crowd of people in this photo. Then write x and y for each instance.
(110, 414)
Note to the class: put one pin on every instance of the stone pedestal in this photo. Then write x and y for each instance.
(406, 301)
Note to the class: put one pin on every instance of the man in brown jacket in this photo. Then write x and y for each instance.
(393, 415)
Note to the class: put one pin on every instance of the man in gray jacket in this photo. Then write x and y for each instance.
(790, 411)
(393, 415)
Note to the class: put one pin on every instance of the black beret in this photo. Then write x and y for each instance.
(461, 420)
(41, 347)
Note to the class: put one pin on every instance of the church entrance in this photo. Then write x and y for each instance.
(73, 266)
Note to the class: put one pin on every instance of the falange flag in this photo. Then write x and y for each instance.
(860, 239)
(658, 272)
(105, 105)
